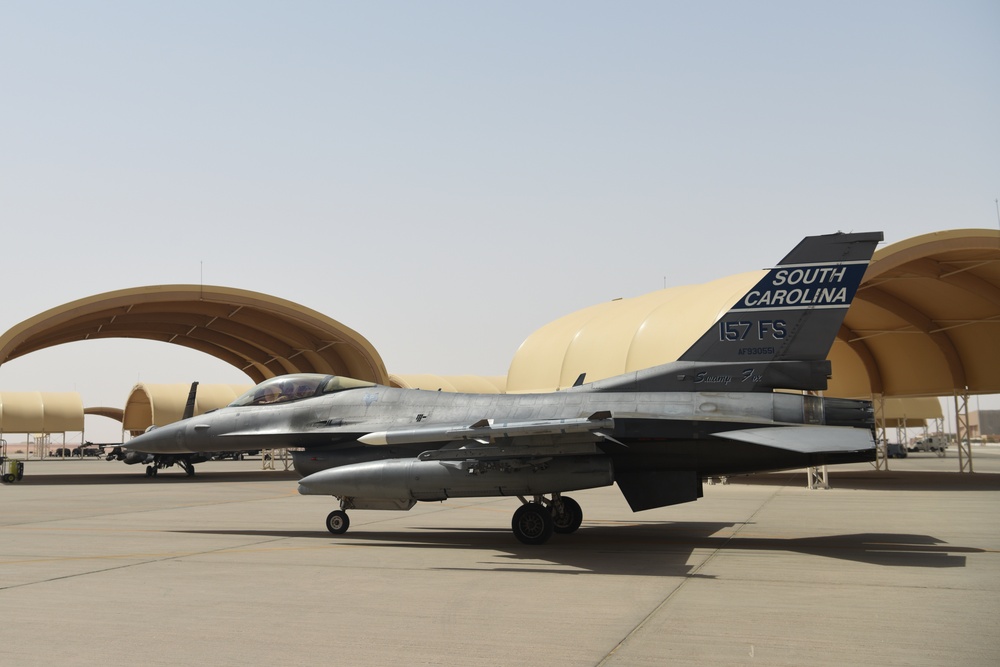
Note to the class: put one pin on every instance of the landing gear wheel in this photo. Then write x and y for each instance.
(9, 479)
(532, 523)
(150, 471)
(337, 522)
(567, 515)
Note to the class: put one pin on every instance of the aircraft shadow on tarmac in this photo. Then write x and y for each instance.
(884, 480)
(205, 477)
(645, 549)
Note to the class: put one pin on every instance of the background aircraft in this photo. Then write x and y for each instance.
(656, 432)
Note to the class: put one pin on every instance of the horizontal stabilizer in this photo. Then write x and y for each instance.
(805, 439)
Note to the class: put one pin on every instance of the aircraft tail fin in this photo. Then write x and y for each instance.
(779, 333)
(189, 406)
(794, 312)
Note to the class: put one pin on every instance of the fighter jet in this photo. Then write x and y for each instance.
(155, 462)
(741, 399)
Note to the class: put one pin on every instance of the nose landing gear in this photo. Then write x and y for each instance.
(337, 522)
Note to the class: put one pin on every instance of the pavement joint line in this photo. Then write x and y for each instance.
(123, 512)
(127, 565)
(688, 577)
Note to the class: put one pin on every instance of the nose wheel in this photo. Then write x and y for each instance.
(337, 522)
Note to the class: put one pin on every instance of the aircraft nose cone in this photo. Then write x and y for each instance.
(313, 485)
(162, 440)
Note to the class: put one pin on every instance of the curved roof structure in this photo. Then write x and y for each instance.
(911, 411)
(104, 411)
(924, 323)
(926, 320)
(623, 335)
(40, 412)
(261, 335)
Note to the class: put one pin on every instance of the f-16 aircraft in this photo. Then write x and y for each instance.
(657, 432)
(154, 462)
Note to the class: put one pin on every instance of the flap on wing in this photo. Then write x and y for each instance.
(806, 439)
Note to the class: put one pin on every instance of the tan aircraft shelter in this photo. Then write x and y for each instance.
(261, 335)
(40, 413)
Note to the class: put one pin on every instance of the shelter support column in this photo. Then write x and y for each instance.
(962, 432)
(881, 461)
(817, 478)
(901, 433)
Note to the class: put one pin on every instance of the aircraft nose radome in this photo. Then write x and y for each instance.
(156, 441)
(312, 485)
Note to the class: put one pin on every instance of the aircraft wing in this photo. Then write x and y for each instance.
(806, 439)
(485, 431)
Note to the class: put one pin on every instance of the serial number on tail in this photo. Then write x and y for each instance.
(756, 351)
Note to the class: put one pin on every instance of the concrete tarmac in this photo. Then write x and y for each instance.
(100, 565)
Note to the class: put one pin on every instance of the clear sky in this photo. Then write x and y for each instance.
(446, 177)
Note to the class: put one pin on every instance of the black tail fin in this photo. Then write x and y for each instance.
(779, 333)
(189, 406)
(795, 311)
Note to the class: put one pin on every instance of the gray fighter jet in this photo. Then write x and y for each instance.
(657, 432)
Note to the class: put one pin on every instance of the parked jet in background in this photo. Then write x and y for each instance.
(155, 462)
(656, 432)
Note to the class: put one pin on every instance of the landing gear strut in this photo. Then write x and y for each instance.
(567, 515)
(153, 468)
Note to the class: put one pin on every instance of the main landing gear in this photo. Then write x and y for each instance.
(153, 468)
(533, 522)
(536, 520)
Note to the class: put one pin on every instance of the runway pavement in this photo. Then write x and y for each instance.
(100, 565)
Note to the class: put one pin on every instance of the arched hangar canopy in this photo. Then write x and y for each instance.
(261, 335)
(926, 320)
(162, 404)
(623, 335)
(924, 323)
(40, 412)
(911, 411)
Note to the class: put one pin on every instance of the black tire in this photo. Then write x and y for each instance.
(567, 519)
(337, 522)
(9, 479)
(150, 471)
(532, 523)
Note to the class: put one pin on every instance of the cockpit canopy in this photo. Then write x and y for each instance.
(295, 387)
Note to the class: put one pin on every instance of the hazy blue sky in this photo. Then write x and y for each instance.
(446, 177)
